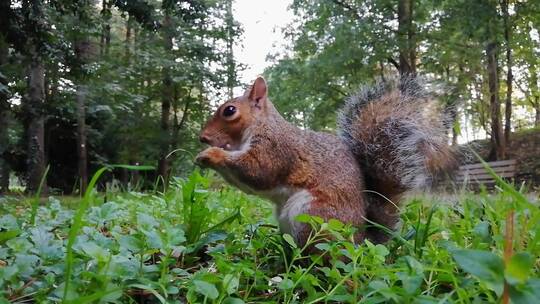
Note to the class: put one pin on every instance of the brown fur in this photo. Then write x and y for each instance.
(260, 152)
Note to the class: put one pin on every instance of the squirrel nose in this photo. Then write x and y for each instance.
(204, 139)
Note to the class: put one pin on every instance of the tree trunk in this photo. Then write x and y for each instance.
(105, 38)
(461, 87)
(4, 141)
(497, 139)
(129, 26)
(34, 99)
(453, 118)
(481, 109)
(83, 54)
(178, 123)
(535, 93)
(381, 68)
(406, 37)
(231, 69)
(163, 165)
(35, 127)
(175, 127)
(451, 109)
(509, 76)
(166, 101)
(82, 154)
(537, 110)
(4, 122)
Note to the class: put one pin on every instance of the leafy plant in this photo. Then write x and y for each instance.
(201, 241)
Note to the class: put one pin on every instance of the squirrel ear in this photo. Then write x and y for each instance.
(258, 91)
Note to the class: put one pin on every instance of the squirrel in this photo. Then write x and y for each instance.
(391, 139)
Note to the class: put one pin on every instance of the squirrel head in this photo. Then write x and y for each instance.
(229, 123)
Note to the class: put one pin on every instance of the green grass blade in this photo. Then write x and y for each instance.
(75, 227)
(94, 297)
(227, 220)
(151, 290)
(35, 201)
(391, 232)
(134, 167)
(426, 233)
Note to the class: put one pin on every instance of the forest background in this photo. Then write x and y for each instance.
(90, 83)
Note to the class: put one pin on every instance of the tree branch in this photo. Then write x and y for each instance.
(393, 62)
(346, 6)
(184, 113)
(339, 91)
(356, 14)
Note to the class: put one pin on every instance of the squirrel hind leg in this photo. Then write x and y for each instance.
(382, 212)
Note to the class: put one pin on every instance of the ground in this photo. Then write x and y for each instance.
(201, 242)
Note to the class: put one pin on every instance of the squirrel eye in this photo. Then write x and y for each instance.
(229, 111)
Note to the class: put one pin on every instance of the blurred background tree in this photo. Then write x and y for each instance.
(471, 47)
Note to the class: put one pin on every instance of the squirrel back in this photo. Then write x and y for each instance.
(391, 140)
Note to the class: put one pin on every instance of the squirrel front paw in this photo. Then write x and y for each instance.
(211, 157)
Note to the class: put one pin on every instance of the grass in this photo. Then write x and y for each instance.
(196, 243)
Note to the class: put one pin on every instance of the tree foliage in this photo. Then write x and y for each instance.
(338, 45)
(106, 70)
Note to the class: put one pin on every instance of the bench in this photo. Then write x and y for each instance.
(477, 173)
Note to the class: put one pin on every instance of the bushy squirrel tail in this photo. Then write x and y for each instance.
(397, 131)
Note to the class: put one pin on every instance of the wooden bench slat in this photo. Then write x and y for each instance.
(484, 176)
(487, 175)
(484, 182)
(494, 164)
(477, 173)
(484, 171)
